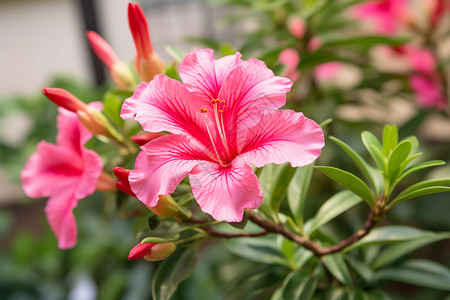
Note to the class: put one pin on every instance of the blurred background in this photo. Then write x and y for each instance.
(43, 43)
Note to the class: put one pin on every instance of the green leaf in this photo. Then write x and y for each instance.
(373, 145)
(336, 265)
(425, 184)
(175, 53)
(297, 191)
(390, 139)
(373, 175)
(393, 252)
(418, 167)
(351, 182)
(336, 205)
(172, 271)
(419, 272)
(262, 250)
(366, 41)
(418, 193)
(389, 234)
(361, 268)
(268, 178)
(298, 286)
(281, 186)
(112, 104)
(396, 159)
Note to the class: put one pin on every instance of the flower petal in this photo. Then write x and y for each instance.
(71, 133)
(50, 167)
(202, 75)
(92, 168)
(60, 216)
(162, 164)
(165, 104)
(224, 193)
(281, 136)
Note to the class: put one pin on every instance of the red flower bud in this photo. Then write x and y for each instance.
(140, 250)
(143, 139)
(123, 184)
(64, 99)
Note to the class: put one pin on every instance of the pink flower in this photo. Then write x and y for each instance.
(327, 71)
(421, 60)
(65, 172)
(428, 91)
(387, 14)
(147, 61)
(291, 59)
(222, 119)
(296, 26)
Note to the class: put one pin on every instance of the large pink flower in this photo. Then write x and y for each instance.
(222, 119)
(65, 172)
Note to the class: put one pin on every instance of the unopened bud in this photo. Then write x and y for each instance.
(123, 184)
(94, 121)
(160, 251)
(122, 75)
(166, 207)
(152, 251)
(143, 139)
(64, 99)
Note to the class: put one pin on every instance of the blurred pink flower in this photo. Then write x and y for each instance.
(223, 118)
(296, 26)
(314, 44)
(291, 59)
(387, 14)
(421, 60)
(428, 91)
(65, 172)
(327, 71)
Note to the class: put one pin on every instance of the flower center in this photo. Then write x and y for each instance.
(218, 107)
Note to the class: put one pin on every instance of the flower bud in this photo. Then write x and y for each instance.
(296, 26)
(65, 99)
(143, 139)
(120, 72)
(94, 121)
(105, 183)
(152, 251)
(123, 184)
(166, 207)
(160, 251)
(147, 61)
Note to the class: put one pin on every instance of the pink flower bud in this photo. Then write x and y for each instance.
(291, 59)
(94, 121)
(120, 72)
(314, 43)
(143, 139)
(147, 61)
(123, 184)
(64, 99)
(296, 26)
(152, 251)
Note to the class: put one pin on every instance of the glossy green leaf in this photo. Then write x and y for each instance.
(363, 270)
(390, 139)
(349, 181)
(268, 179)
(336, 265)
(396, 159)
(374, 176)
(336, 205)
(297, 191)
(172, 271)
(262, 249)
(418, 272)
(425, 184)
(389, 234)
(420, 166)
(298, 286)
(418, 193)
(281, 186)
(395, 251)
(373, 145)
